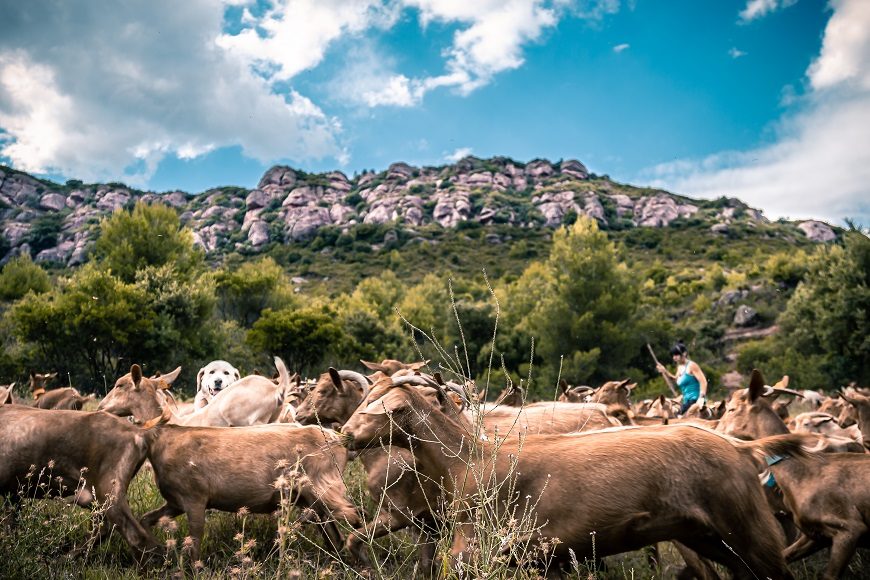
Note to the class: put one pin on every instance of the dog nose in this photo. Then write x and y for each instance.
(218, 383)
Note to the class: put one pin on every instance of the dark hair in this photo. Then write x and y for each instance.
(678, 348)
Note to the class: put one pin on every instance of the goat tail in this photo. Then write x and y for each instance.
(157, 421)
(794, 444)
(283, 380)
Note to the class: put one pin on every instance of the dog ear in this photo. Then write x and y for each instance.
(236, 374)
(199, 378)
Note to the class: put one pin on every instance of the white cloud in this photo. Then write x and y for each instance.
(100, 90)
(845, 57)
(756, 9)
(621, 47)
(458, 154)
(735, 52)
(295, 34)
(819, 162)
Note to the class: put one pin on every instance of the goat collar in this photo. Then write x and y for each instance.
(768, 480)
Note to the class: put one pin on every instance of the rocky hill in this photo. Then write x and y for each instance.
(57, 223)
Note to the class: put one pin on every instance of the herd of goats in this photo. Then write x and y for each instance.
(738, 482)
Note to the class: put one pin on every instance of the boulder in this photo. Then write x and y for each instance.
(257, 199)
(624, 204)
(540, 169)
(400, 171)
(731, 297)
(174, 199)
(15, 232)
(451, 208)
(52, 201)
(59, 254)
(719, 229)
(280, 176)
(110, 200)
(573, 168)
(305, 195)
(303, 222)
(258, 233)
(817, 231)
(660, 210)
(745, 316)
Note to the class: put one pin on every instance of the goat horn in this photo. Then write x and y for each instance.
(415, 380)
(358, 378)
(768, 391)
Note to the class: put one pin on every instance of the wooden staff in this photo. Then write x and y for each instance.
(668, 379)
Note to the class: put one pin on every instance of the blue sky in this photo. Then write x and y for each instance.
(760, 99)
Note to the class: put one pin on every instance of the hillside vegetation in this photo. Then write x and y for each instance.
(493, 269)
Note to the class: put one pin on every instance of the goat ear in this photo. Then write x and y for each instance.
(438, 378)
(418, 365)
(628, 385)
(388, 404)
(373, 366)
(5, 394)
(51, 376)
(563, 385)
(756, 385)
(336, 379)
(782, 384)
(136, 375)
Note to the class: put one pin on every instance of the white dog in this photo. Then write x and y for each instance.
(212, 379)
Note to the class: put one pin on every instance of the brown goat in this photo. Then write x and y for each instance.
(748, 414)
(229, 468)
(390, 366)
(331, 402)
(861, 405)
(89, 456)
(829, 499)
(65, 398)
(710, 499)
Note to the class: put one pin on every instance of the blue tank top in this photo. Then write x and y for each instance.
(689, 385)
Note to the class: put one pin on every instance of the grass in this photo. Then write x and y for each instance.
(39, 543)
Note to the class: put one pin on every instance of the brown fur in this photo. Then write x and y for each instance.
(390, 366)
(709, 498)
(105, 450)
(228, 468)
(829, 498)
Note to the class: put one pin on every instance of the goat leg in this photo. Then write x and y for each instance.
(802, 547)
(842, 550)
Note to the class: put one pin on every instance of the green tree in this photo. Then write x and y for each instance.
(828, 317)
(88, 326)
(582, 307)
(44, 232)
(244, 291)
(20, 276)
(149, 235)
(302, 338)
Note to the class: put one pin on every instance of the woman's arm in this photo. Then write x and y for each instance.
(696, 372)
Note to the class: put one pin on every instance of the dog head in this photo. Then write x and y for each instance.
(215, 376)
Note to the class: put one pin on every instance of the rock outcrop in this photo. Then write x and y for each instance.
(289, 206)
(817, 231)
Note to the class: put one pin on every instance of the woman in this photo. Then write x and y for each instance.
(689, 378)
